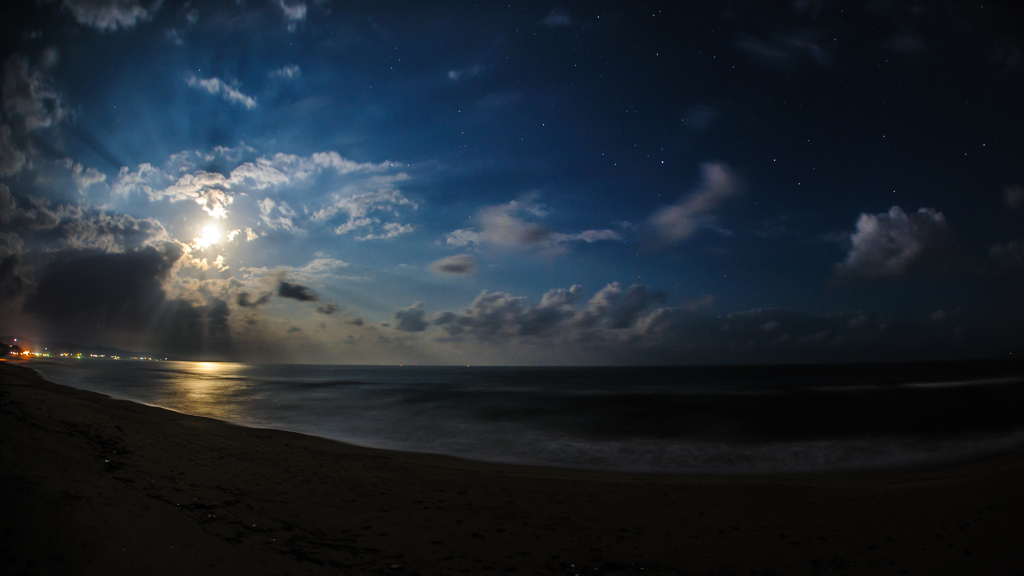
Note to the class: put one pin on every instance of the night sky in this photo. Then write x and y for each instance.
(494, 183)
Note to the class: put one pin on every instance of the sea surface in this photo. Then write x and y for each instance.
(717, 420)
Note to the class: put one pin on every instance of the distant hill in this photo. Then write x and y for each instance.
(57, 348)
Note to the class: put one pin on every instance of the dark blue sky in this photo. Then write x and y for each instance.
(514, 183)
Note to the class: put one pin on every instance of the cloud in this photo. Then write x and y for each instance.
(83, 177)
(105, 290)
(85, 229)
(243, 300)
(497, 315)
(889, 243)
(208, 189)
(693, 212)
(588, 236)
(181, 179)
(458, 264)
(1014, 197)
(11, 283)
(80, 228)
(109, 15)
(30, 95)
(328, 308)
(12, 159)
(474, 70)
(296, 292)
(504, 226)
(281, 222)
(1009, 257)
(411, 319)
(293, 13)
(365, 208)
(216, 86)
(317, 272)
(616, 307)
(700, 117)
(8, 206)
(557, 19)
(289, 72)
(782, 51)
(95, 296)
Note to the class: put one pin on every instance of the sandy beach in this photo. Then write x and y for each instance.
(94, 485)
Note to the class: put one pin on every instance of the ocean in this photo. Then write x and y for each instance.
(680, 420)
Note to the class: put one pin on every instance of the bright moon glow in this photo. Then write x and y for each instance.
(211, 234)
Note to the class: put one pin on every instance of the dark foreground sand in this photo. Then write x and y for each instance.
(92, 485)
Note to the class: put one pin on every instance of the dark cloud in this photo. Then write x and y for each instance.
(890, 243)
(11, 157)
(1014, 197)
(91, 285)
(217, 314)
(10, 243)
(8, 206)
(328, 308)
(411, 319)
(458, 264)
(243, 299)
(619, 308)
(1009, 257)
(11, 283)
(95, 296)
(356, 322)
(499, 315)
(296, 292)
(30, 95)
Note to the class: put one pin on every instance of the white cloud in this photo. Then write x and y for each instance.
(217, 86)
(588, 236)
(473, 70)
(332, 159)
(208, 189)
(109, 15)
(317, 272)
(557, 19)
(180, 180)
(289, 72)
(293, 13)
(390, 230)
(84, 177)
(693, 212)
(359, 206)
(285, 214)
(887, 244)
(461, 238)
(503, 225)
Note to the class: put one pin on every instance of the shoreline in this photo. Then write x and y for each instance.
(98, 485)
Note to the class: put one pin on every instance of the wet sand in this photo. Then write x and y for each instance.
(93, 485)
